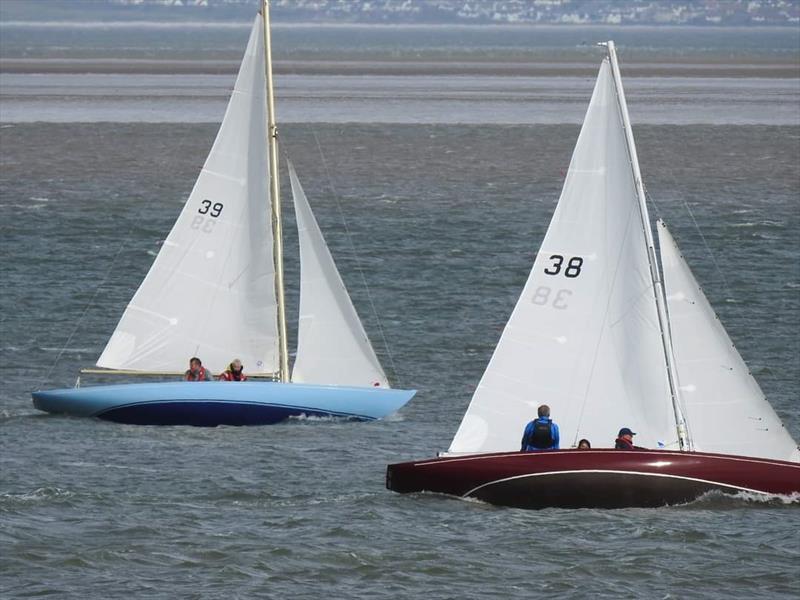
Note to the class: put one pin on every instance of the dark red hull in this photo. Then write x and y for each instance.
(594, 478)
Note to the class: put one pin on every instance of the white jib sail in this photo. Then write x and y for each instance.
(332, 346)
(210, 291)
(584, 335)
(725, 409)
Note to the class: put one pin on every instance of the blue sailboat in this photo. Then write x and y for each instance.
(216, 291)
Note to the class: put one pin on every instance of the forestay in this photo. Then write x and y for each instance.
(332, 346)
(584, 335)
(210, 291)
(725, 409)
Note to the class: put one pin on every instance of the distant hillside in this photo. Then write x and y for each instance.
(623, 12)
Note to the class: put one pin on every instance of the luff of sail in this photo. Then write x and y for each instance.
(210, 292)
(332, 346)
(725, 408)
(584, 335)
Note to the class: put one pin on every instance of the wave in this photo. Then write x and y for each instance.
(765, 223)
(96, 466)
(396, 417)
(304, 418)
(716, 499)
(38, 496)
(67, 350)
(22, 412)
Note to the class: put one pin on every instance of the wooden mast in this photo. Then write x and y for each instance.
(277, 231)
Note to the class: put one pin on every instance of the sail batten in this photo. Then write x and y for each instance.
(231, 178)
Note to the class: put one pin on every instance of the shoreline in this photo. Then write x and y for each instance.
(399, 67)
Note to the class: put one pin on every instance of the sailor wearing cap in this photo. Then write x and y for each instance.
(625, 439)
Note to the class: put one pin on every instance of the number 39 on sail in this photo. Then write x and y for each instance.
(216, 291)
(602, 338)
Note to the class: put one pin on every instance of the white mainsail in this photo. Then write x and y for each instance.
(584, 335)
(210, 291)
(725, 408)
(332, 346)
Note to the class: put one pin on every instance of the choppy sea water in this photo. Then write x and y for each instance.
(445, 219)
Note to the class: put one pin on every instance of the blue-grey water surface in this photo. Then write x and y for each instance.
(445, 218)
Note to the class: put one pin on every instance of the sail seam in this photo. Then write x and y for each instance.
(239, 180)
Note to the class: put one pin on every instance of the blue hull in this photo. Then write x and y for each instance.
(213, 403)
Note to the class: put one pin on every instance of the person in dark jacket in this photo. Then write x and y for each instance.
(541, 433)
(624, 440)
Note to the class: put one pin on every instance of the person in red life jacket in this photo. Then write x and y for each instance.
(541, 433)
(234, 372)
(624, 440)
(197, 372)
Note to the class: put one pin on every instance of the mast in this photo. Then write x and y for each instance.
(275, 195)
(655, 275)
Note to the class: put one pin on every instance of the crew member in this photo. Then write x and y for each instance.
(234, 372)
(624, 440)
(196, 372)
(541, 433)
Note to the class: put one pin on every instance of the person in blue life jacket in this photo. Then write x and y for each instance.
(541, 433)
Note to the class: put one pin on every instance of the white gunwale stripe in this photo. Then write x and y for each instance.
(666, 475)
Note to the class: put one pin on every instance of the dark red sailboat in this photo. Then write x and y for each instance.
(594, 478)
(602, 338)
